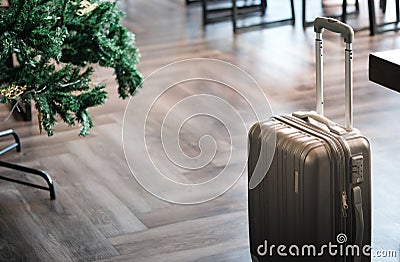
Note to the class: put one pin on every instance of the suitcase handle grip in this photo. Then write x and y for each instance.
(332, 126)
(335, 26)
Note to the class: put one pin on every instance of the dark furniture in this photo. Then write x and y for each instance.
(28, 170)
(220, 10)
(213, 12)
(384, 69)
(342, 17)
(375, 28)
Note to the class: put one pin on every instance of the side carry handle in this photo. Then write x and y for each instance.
(347, 32)
(358, 211)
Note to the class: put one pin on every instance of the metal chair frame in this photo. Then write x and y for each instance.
(236, 12)
(31, 171)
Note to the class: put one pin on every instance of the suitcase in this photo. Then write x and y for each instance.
(309, 195)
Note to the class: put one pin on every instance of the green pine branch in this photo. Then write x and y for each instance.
(55, 47)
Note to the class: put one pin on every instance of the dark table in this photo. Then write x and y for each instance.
(384, 69)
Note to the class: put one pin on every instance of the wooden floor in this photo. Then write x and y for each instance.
(101, 211)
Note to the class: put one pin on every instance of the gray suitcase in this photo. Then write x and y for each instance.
(309, 179)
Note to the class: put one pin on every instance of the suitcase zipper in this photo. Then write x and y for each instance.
(344, 204)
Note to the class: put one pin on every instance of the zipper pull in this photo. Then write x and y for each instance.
(344, 204)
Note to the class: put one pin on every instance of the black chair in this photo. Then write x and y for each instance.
(218, 10)
(342, 16)
(381, 28)
(222, 10)
(28, 170)
(382, 5)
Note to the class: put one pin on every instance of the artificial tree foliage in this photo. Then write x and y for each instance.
(47, 49)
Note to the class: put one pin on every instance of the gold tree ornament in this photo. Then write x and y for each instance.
(86, 7)
(13, 92)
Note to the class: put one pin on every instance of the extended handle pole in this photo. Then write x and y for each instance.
(347, 32)
(319, 73)
(349, 85)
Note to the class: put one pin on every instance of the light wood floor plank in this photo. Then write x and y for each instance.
(212, 233)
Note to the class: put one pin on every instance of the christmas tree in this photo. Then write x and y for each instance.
(47, 52)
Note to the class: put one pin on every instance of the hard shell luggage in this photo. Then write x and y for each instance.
(309, 179)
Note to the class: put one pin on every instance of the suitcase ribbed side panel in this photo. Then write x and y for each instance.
(277, 204)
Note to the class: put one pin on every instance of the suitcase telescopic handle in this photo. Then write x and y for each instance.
(335, 26)
(347, 32)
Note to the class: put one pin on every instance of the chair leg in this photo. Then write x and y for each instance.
(28, 170)
(357, 6)
(31, 171)
(17, 143)
(342, 17)
(372, 17)
(204, 7)
(293, 12)
(236, 12)
(263, 7)
(234, 16)
(303, 14)
(382, 5)
(344, 11)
